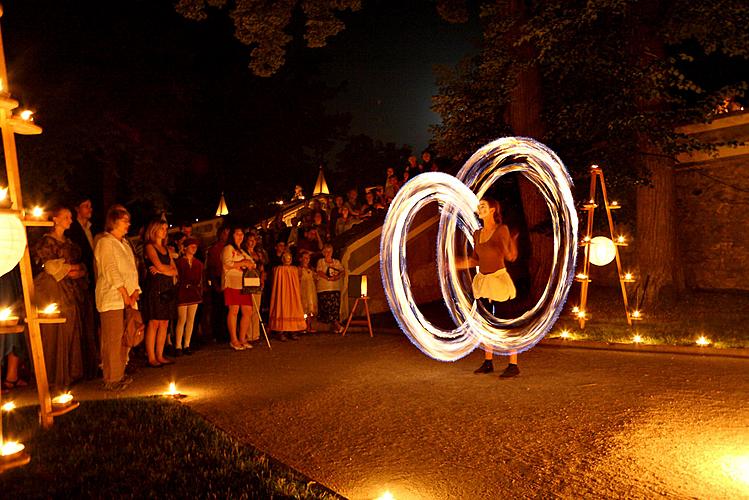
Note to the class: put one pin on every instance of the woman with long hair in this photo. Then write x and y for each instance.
(161, 293)
(492, 246)
(235, 261)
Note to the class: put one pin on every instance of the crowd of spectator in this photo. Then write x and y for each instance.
(283, 277)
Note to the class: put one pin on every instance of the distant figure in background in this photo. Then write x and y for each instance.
(352, 202)
(12, 345)
(330, 273)
(412, 168)
(62, 281)
(116, 289)
(492, 246)
(286, 313)
(298, 193)
(81, 234)
(335, 213)
(307, 279)
(344, 222)
(160, 292)
(250, 247)
(391, 189)
(189, 295)
(427, 164)
(214, 275)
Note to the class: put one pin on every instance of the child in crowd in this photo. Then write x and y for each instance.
(189, 294)
(307, 278)
(286, 312)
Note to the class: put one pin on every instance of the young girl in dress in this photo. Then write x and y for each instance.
(286, 313)
(307, 278)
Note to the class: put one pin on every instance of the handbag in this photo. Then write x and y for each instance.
(250, 282)
(134, 328)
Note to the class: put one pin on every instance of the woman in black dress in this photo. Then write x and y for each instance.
(160, 292)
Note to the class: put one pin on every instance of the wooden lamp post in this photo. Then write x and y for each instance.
(12, 124)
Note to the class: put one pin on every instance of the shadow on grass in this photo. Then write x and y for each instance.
(144, 448)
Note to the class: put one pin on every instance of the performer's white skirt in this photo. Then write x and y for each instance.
(496, 286)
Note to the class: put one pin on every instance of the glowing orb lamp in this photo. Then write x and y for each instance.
(12, 242)
(602, 251)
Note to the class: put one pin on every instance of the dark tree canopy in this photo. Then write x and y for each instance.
(613, 72)
(264, 24)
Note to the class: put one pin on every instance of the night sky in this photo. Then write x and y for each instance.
(135, 75)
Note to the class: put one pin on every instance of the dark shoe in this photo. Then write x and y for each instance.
(187, 351)
(282, 337)
(486, 367)
(512, 370)
(177, 353)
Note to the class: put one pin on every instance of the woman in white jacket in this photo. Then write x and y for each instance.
(116, 289)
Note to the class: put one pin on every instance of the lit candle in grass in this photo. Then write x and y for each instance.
(565, 334)
(637, 339)
(703, 341)
(636, 314)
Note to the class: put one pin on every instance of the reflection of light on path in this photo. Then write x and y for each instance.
(683, 452)
(736, 467)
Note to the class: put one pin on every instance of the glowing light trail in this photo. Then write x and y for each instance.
(458, 204)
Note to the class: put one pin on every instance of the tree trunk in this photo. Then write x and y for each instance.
(656, 236)
(524, 117)
(661, 275)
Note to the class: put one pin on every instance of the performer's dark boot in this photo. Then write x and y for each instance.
(512, 370)
(486, 367)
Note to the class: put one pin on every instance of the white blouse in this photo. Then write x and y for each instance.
(115, 268)
(232, 278)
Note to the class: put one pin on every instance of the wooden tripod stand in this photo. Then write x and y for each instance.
(363, 299)
(619, 241)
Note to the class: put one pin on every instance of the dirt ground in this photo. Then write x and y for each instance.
(364, 416)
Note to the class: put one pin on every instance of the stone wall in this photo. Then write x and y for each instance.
(713, 210)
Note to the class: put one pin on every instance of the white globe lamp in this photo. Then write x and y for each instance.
(12, 242)
(602, 251)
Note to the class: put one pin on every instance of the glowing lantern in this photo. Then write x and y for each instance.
(12, 242)
(62, 400)
(222, 208)
(363, 286)
(321, 187)
(602, 251)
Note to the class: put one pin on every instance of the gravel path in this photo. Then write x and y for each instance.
(363, 416)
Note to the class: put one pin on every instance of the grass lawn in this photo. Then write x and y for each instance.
(721, 317)
(144, 448)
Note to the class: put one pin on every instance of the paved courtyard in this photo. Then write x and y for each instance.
(364, 416)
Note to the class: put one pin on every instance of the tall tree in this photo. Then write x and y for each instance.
(617, 77)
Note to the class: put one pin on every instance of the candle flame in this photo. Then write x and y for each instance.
(172, 389)
(27, 115)
(620, 239)
(703, 341)
(37, 211)
(63, 399)
(386, 496)
(636, 314)
(50, 309)
(565, 334)
(628, 276)
(5, 314)
(637, 339)
(9, 406)
(11, 448)
(3, 193)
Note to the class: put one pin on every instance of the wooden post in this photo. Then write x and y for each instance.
(27, 279)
